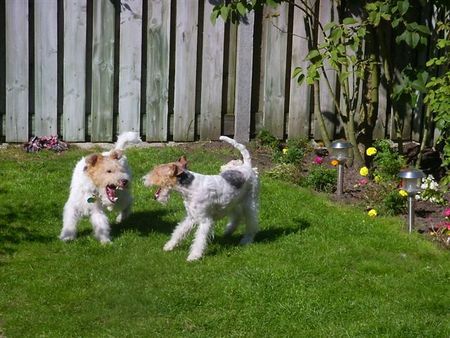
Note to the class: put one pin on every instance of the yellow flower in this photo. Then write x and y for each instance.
(372, 213)
(371, 151)
(403, 193)
(285, 150)
(334, 162)
(377, 179)
(364, 171)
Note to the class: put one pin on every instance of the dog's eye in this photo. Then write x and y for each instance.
(109, 171)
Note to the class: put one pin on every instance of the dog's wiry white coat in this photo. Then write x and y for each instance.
(87, 199)
(211, 197)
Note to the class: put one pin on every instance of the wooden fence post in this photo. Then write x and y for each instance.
(212, 76)
(74, 101)
(17, 85)
(275, 71)
(244, 69)
(300, 95)
(130, 65)
(45, 67)
(102, 71)
(158, 54)
(185, 70)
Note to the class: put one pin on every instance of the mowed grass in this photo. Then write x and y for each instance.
(317, 269)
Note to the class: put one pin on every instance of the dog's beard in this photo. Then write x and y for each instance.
(162, 195)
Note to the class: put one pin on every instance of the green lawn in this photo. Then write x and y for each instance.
(317, 269)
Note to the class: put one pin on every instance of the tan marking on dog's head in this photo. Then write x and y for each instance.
(165, 177)
(107, 173)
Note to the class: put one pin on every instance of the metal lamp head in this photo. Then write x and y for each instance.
(411, 180)
(340, 150)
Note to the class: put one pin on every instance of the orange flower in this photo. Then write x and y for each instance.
(334, 162)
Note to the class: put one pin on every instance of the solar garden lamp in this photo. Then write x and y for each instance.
(340, 151)
(411, 180)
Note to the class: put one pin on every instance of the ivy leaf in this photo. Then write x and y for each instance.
(224, 12)
(241, 9)
(301, 78)
(312, 54)
(329, 25)
(297, 71)
(403, 6)
(349, 21)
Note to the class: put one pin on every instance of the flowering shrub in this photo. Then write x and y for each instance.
(386, 162)
(441, 231)
(431, 191)
(321, 178)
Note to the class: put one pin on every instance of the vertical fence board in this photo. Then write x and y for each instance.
(275, 72)
(102, 71)
(45, 67)
(158, 44)
(2, 71)
(212, 77)
(244, 63)
(74, 101)
(130, 65)
(17, 86)
(231, 69)
(185, 70)
(327, 13)
(300, 96)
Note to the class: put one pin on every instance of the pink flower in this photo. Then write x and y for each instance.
(446, 213)
(318, 160)
(363, 181)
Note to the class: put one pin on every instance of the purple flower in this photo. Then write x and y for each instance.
(318, 160)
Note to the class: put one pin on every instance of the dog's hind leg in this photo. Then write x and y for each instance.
(201, 239)
(180, 232)
(70, 220)
(101, 226)
(234, 219)
(251, 224)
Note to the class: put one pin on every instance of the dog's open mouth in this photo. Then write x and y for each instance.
(162, 195)
(111, 190)
(157, 193)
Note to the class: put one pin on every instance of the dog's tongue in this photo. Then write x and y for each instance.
(157, 193)
(111, 193)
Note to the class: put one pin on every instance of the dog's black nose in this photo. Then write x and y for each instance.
(123, 182)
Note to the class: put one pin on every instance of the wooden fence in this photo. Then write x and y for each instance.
(87, 70)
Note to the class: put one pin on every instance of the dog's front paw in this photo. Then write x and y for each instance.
(169, 246)
(247, 239)
(67, 236)
(194, 257)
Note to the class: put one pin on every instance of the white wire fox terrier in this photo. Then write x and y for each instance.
(99, 182)
(233, 193)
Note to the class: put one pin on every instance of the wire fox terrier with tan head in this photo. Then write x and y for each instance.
(233, 193)
(99, 182)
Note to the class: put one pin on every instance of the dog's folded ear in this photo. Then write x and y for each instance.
(182, 162)
(116, 154)
(91, 160)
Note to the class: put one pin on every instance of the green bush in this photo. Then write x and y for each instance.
(321, 178)
(293, 152)
(387, 162)
(393, 203)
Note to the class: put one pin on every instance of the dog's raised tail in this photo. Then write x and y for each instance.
(244, 152)
(125, 138)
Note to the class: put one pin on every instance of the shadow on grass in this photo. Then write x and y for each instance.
(267, 235)
(144, 223)
(15, 228)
